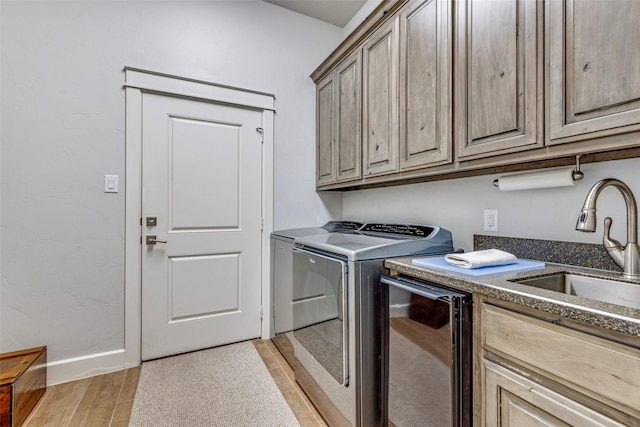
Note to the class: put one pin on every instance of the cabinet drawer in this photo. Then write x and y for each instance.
(513, 400)
(586, 363)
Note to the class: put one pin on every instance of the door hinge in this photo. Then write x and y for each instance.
(261, 224)
(261, 312)
(261, 132)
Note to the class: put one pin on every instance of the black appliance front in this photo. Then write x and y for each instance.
(426, 370)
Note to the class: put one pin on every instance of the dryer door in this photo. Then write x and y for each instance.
(319, 311)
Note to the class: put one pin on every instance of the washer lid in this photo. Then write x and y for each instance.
(329, 227)
(376, 241)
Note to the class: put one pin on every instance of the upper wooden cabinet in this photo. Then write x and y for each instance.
(325, 130)
(425, 84)
(338, 123)
(594, 70)
(498, 77)
(513, 85)
(380, 100)
(349, 118)
(407, 90)
(406, 99)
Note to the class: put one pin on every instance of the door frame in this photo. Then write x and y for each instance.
(137, 82)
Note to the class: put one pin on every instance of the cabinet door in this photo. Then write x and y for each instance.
(425, 84)
(348, 118)
(325, 130)
(576, 360)
(498, 77)
(512, 400)
(380, 100)
(594, 63)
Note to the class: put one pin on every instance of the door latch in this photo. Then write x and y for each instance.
(151, 240)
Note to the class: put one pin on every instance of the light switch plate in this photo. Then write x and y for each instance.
(111, 183)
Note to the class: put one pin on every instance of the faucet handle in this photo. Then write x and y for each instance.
(614, 247)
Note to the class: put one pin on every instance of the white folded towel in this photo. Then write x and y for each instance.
(477, 259)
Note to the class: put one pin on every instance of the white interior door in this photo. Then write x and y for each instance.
(201, 180)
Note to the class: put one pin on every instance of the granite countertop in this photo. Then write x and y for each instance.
(500, 286)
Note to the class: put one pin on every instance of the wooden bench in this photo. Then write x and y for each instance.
(23, 381)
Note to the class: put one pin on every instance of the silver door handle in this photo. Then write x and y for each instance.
(151, 240)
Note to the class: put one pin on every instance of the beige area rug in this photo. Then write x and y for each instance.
(223, 386)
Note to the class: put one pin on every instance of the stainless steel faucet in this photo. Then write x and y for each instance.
(626, 257)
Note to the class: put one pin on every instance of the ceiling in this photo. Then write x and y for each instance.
(336, 12)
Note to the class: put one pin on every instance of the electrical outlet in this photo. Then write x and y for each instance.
(491, 220)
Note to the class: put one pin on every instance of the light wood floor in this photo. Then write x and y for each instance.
(282, 374)
(107, 400)
(104, 400)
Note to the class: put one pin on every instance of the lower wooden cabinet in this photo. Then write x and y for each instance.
(513, 400)
(534, 372)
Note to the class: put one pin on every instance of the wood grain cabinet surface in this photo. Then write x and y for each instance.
(435, 89)
(593, 84)
(339, 122)
(537, 373)
(325, 130)
(498, 77)
(425, 84)
(406, 99)
(513, 400)
(380, 100)
(407, 90)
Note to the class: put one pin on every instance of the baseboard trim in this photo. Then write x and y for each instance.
(76, 368)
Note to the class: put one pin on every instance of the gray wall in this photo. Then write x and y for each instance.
(458, 205)
(63, 120)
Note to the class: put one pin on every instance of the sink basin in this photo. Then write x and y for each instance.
(605, 290)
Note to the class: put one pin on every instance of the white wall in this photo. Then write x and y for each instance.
(360, 16)
(458, 205)
(63, 129)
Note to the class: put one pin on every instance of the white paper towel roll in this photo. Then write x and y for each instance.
(542, 179)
